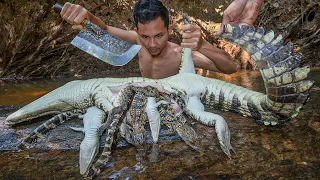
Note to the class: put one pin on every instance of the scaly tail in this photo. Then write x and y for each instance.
(286, 86)
(137, 109)
(105, 155)
(48, 125)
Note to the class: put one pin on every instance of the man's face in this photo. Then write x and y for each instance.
(153, 36)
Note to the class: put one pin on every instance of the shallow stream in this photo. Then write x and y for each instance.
(291, 151)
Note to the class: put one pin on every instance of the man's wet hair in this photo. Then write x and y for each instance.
(145, 11)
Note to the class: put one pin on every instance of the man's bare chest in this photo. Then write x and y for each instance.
(160, 67)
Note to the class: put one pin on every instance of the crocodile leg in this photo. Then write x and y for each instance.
(143, 107)
(195, 110)
(154, 117)
(48, 125)
(155, 124)
(89, 147)
(188, 134)
(144, 102)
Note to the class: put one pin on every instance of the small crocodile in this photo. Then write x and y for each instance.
(138, 100)
(287, 88)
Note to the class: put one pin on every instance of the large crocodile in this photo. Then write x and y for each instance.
(286, 87)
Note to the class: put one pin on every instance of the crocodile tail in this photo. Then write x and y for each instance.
(48, 125)
(115, 116)
(225, 96)
(286, 84)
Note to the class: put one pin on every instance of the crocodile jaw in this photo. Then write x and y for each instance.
(14, 118)
(88, 150)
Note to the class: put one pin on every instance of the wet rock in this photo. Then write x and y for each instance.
(6, 110)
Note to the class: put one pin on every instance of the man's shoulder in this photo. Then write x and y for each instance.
(173, 45)
(174, 50)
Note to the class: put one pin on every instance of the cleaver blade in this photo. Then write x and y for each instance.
(102, 45)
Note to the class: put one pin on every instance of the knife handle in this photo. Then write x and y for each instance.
(186, 20)
(57, 8)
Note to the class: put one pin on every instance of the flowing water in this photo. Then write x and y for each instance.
(291, 151)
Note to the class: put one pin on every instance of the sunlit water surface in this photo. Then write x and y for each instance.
(291, 151)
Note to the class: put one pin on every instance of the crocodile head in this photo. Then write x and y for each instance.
(23, 115)
(38, 109)
(12, 118)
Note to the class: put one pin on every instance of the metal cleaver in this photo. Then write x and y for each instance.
(102, 45)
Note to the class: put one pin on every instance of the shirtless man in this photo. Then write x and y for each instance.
(158, 58)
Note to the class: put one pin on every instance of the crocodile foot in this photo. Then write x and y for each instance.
(89, 147)
(223, 134)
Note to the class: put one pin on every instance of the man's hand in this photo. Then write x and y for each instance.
(191, 37)
(74, 14)
(242, 12)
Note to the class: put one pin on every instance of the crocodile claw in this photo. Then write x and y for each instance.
(223, 134)
(81, 129)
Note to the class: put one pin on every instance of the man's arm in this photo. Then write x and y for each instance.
(214, 59)
(242, 12)
(205, 55)
(75, 14)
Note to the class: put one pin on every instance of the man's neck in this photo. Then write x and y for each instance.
(163, 52)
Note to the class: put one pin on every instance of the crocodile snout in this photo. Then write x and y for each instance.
(14, 118)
